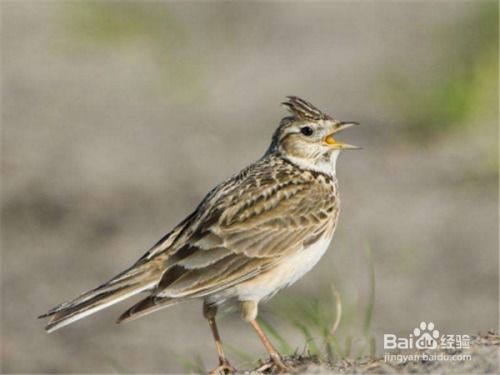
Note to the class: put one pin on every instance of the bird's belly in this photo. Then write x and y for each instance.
(285, 274)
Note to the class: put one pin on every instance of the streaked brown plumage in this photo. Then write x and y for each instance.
(253, 234)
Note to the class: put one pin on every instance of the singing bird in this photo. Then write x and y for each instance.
(252, 235)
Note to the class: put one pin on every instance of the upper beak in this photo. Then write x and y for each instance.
(339, 145)
(344, 125)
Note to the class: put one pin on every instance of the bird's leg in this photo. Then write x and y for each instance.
(224, 367)
(249, 312)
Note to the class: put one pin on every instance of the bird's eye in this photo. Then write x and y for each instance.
(306, 130)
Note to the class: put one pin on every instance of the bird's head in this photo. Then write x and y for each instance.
(307, 137)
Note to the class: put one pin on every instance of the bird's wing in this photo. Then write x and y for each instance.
(246, 227)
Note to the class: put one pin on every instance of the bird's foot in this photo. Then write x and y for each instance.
(276, 364)
(223, 368)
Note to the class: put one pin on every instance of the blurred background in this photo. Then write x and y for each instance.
(118, 117)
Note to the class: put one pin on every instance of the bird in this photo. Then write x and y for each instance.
(252, 235)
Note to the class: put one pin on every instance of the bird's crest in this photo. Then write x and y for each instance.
(304, 110)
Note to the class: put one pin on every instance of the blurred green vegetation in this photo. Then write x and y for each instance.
(466, 81)
(191, 365)
(460, 90)
(102, 25)
(123, 23)
(314, 318)
(327, 322)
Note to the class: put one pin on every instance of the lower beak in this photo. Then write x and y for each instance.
(333, 143)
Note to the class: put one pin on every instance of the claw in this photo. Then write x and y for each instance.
(276, 363)
(281, 366)
(222, 369)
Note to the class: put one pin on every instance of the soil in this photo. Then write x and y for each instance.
(483, 351)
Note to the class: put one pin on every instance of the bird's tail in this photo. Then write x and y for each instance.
(130, 282)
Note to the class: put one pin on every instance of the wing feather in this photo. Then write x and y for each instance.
(242, 232)
(204, 258)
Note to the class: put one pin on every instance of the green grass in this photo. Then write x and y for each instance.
(449, 101)
(244, 359)
(151, 26)
(191, 365)
(319, 319)
(117, 366)
(277, 339)
(370, 305)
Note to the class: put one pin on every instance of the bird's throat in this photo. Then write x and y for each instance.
(326, 163)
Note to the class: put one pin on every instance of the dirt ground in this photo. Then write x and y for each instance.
(484, 352)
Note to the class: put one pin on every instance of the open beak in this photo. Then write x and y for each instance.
(333, 143)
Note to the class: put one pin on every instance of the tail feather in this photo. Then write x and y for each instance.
(124, 285)
(147, 306)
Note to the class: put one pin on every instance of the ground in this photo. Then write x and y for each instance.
(484, 350)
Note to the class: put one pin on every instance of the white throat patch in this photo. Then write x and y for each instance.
(322, 165)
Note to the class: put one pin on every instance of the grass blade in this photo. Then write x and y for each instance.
(371, 294)
(338, 315)
(281, 342)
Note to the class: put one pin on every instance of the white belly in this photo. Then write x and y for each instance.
(283, 275)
